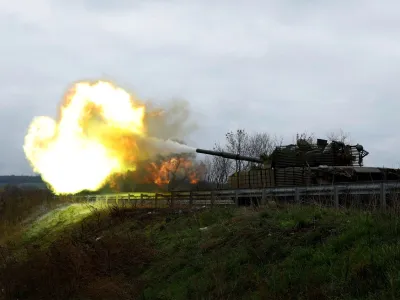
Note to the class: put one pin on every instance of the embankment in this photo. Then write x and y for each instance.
(93, 252)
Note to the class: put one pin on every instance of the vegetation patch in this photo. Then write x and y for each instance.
(292, 252)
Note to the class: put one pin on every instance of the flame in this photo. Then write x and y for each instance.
(173, 168)
(95, 136)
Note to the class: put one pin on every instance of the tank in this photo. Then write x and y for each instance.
(304, 164)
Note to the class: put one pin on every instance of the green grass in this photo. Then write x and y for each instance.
(49, 226)
(82, 252)
(18, 208)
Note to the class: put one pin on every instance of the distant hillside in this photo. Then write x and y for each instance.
(22, 181)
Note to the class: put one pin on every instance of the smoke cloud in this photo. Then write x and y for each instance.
(167, 129)
(172, 122)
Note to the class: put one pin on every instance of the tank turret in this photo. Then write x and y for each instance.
(304, 154)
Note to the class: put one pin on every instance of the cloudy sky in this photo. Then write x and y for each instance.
(279, 66)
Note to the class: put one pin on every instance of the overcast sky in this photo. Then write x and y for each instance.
(276, 66)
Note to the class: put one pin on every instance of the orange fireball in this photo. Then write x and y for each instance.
(173, 168)
(94, 137)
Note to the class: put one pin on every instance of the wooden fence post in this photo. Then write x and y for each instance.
(191, 198)
(237, 197)
(263, 197)
(212, 198)
(383, 196)
(297, 195)
(336, 196)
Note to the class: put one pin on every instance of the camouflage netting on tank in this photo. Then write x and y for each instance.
(305, 154)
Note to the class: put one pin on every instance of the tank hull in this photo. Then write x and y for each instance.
(308, 176)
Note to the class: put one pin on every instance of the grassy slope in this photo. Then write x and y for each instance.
(82, 252)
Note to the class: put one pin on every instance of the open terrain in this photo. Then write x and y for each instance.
(78, 251)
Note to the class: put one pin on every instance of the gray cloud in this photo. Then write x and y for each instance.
(276, 66)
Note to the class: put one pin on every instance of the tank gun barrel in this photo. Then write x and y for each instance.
(230, 155)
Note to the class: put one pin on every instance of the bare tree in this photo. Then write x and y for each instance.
(239, 142)
(261, 143)
(254, 145)
(219, 168)
(207, 168)
(305, 136)
(339, 136)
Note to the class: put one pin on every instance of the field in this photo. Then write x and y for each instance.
(81, 251)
